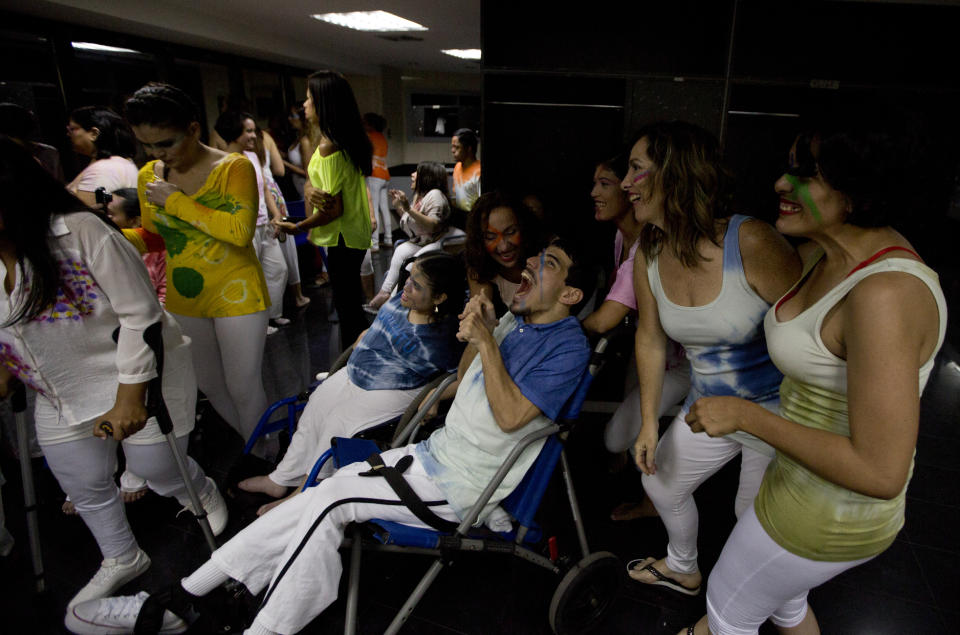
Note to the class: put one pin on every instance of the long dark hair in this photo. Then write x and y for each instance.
(445, 274)
(338, 118)
(482, 267)
(697, 189)
(31, 197)
(115, 136)
(431, 176)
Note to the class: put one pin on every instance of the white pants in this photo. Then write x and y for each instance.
(337, 408)
(228, 360)
(293, 547)
(289, 249)
(85, 468)
(401, 252)
(274, 267)
(756, 579)
(685, 460)
(624, 427)
(381, 208)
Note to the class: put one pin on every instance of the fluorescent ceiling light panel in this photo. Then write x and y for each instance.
(370, 21)
(90, 46)
(467, 54)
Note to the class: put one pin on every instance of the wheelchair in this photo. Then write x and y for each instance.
(587, 585)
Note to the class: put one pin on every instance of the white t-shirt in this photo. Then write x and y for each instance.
(112, 174)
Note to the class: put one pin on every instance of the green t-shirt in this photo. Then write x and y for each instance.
(337, 175)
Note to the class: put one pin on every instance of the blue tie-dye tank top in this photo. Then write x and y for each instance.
(397, 355)
(724, 338)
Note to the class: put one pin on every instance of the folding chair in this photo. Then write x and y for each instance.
(586, 589)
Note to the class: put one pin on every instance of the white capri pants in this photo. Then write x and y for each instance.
(381, 208)
(684, 461)
(85, 468)
(299, 539)
(274, 265)
(401, 252)
(337, 408)
(289, 249)
(756, 579)
(624, 426)
(228, 360)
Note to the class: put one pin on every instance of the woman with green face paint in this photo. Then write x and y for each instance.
(855, 339)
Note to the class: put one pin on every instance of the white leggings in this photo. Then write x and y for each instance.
(401, 252)
(228, 360)
(624, 426)
(337, 408)
(299, 538)
(85, 469)
(756, 579)
(685, 460)
(381, 208)
(274, 267)
(289, 249)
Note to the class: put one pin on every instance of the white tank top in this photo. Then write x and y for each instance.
(724, 338)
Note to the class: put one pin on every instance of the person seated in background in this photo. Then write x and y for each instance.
(426, 221)
(124, 210)
(466, 173)
(411, 341)
(611, 204)
(515, 376)
(105, 138)
(501, 235)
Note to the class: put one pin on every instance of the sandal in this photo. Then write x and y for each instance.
(646, 564)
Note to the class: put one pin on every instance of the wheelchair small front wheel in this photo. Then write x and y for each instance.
(587, 590)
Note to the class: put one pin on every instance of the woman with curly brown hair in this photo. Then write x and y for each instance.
(501, 234)
(706, 279)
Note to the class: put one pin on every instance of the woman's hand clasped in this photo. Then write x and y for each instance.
(159, 191)
(398, 199)
(128, 415)
(717, 416)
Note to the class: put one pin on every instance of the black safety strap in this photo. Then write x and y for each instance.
(402, 489)
(174, 599)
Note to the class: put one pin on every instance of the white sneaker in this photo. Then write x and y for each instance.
(111, 576)
(213, 504)
(115, 615)
(281, 321)
(271, 329)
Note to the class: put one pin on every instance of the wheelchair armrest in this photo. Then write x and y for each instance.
(471, 518)
(414, 414)
(341, 361)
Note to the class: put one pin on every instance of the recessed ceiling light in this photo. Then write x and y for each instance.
(90, 46)
(466, 54)
(370, 21)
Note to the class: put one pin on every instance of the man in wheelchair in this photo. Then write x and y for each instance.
(514, 377)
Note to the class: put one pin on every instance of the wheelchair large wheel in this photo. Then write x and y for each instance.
(586, 592)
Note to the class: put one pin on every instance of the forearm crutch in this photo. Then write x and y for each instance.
(157, 407)
(19, 404)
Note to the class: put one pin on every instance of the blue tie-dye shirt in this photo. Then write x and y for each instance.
(724, 338)
(397, 355)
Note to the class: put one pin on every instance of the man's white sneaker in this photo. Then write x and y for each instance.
(213, 504)
(111, 576)
(115, 615)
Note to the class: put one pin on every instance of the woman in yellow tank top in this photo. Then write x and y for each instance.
(200, 205)
(855, 339)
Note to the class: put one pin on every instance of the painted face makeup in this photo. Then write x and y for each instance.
(802, 191)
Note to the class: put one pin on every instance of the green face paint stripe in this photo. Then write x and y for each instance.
(804, 193)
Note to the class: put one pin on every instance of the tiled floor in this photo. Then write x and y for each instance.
(911, 588)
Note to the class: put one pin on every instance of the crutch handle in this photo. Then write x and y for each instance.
(107, 428)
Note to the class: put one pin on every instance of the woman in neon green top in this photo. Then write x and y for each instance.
(855, 339)
(337, 193)
(200, 204)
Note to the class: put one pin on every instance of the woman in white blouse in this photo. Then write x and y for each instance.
(70, 281)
